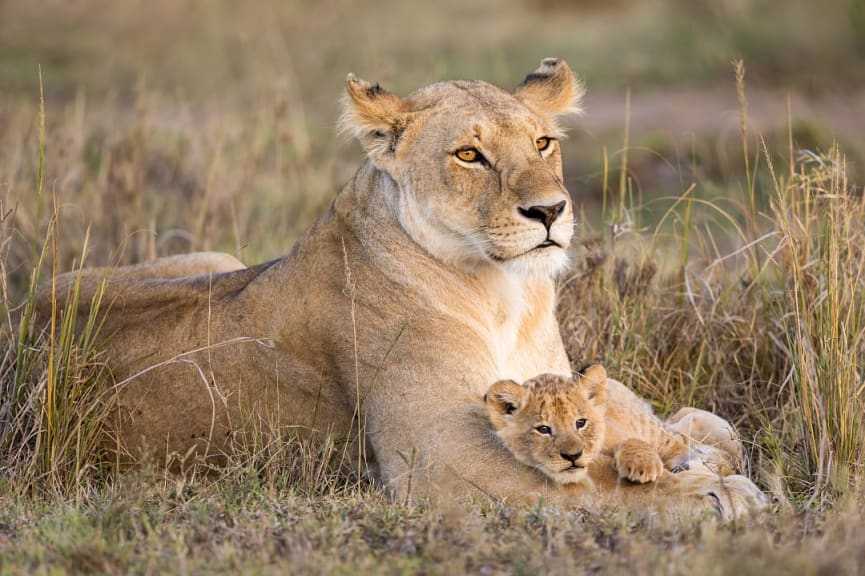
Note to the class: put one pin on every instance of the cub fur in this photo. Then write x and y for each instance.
(551, 423)
(558, 425)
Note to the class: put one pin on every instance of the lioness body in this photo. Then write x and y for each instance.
(264, 355)
(430, 277)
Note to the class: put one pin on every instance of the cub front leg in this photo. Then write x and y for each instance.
(637, 461)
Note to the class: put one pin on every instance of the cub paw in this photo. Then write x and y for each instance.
(638, 461)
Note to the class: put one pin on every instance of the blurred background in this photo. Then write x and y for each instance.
(176, 125)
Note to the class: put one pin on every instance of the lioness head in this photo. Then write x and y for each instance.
(551, 423)
(477, 169)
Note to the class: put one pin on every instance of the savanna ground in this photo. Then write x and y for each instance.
(720, 264)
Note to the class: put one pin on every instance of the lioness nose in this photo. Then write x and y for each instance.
(546, 215)
(571, 457)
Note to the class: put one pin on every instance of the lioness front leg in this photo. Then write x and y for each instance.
(637, 461)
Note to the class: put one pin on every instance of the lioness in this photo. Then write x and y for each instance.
(559, 425)
(431, 276)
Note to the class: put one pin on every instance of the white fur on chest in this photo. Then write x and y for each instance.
(519, 343)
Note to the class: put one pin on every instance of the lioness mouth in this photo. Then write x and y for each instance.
(546, 243)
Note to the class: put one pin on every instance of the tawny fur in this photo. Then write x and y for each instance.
(423, 283)
(551, 423)
(578, 430)
(641, 446)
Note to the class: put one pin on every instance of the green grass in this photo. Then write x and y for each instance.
(153, 526)
(718, 269)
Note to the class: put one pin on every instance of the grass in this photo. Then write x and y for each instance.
(713, 270)
(147, 526)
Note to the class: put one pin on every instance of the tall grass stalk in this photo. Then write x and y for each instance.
(739, 67)
(52, 387)
(826, 335)
(623, 173)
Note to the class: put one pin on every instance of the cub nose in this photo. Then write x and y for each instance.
(572, 458)
(546, 215)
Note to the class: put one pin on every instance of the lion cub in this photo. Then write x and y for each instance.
(551, 423)
(559, 425)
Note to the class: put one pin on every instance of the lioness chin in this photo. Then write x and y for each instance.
(431, 275)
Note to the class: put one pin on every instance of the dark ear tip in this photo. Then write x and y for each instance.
(584, 367)
(596, 367)
(551, 62)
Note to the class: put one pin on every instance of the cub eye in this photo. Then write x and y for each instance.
(546, 430)
(543, 143)
(581, 423)
(469, 155)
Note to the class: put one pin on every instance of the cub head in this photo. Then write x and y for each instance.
(551, 423)
(475, 171)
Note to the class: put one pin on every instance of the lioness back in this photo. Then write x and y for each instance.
(88, 280)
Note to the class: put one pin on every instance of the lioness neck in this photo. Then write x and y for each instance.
(512, 312)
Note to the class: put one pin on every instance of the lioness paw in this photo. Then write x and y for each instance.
(730, 497)
(638, 461)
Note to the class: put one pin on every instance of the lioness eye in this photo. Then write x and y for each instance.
(544, 429)
(543, 143)
(468, 155)
(581, 423)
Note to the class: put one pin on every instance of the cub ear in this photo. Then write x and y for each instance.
(593, 379)
(503, 399)
(551, 90)
(372, 115)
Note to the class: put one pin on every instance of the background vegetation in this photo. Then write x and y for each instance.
(720, 262)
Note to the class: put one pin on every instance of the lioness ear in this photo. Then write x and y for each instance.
(503, 399)
(594, 381)
(372, 115)
(551, 90)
